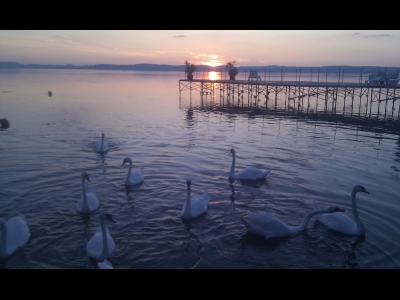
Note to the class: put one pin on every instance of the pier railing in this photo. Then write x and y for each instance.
(329, 74)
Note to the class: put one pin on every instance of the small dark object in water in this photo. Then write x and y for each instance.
(50, 93)
(4, 123)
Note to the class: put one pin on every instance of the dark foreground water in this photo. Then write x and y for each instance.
(51, 141)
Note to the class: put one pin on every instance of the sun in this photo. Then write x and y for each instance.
(212, 63)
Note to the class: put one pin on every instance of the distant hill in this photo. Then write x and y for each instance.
(180, 68)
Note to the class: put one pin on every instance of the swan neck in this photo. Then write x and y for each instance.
(231, 172)
(130, 170)
(307, 218)
(3, 231)
(354, 207)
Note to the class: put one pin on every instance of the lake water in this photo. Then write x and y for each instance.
(51, 141)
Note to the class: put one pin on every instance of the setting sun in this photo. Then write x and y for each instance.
(212, 63)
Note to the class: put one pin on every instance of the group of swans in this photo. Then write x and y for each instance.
(197, 206)
(89, 202)
(14, 234)
(269, 226)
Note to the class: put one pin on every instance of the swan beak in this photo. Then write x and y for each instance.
(87, 178)
(338, 209)
(123, 163)
(364, 190)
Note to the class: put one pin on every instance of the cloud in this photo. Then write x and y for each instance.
(180, 36)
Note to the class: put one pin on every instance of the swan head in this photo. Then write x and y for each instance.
(86, 176)
(232, 151)
(108, 217)
(188, 183)
(126, 160)
(360, 188)
(333, 209)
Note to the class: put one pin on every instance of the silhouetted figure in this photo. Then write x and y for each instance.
(50, 93)
(4, 123)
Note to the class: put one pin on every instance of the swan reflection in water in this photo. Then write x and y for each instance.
(351, 258)
(128, 189)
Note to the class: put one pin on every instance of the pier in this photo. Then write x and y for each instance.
(351, 101)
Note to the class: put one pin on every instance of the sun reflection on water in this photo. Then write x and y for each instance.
(213, 76)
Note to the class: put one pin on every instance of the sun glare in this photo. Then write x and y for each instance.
(212, 64)
(212, 75)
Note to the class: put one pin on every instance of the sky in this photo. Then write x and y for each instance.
(298, 48)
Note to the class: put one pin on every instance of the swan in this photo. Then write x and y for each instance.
(101, 146)
(342, 222)
(88, 202)
(194, 206)
(13, 235)
(95, 264)
(102, 242)
(270, 226)
(133, 178)
(248, 173)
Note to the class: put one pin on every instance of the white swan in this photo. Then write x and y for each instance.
(342, 222)
(133, 178)
(102, 242)
(13, 235)
(248, 173)
(101, 146)
(270, 226)
(88, 202)
(194, 206)
(94, 262)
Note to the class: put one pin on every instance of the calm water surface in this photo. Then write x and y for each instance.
(51, 141)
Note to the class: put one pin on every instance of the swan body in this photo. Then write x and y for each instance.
(101, 146)
(248, 173)
(14, 234)
(88, 202)
(269, 226)
(133, 177)
(102, 242)
(342, 222)
(194, 206)
(94, 262)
